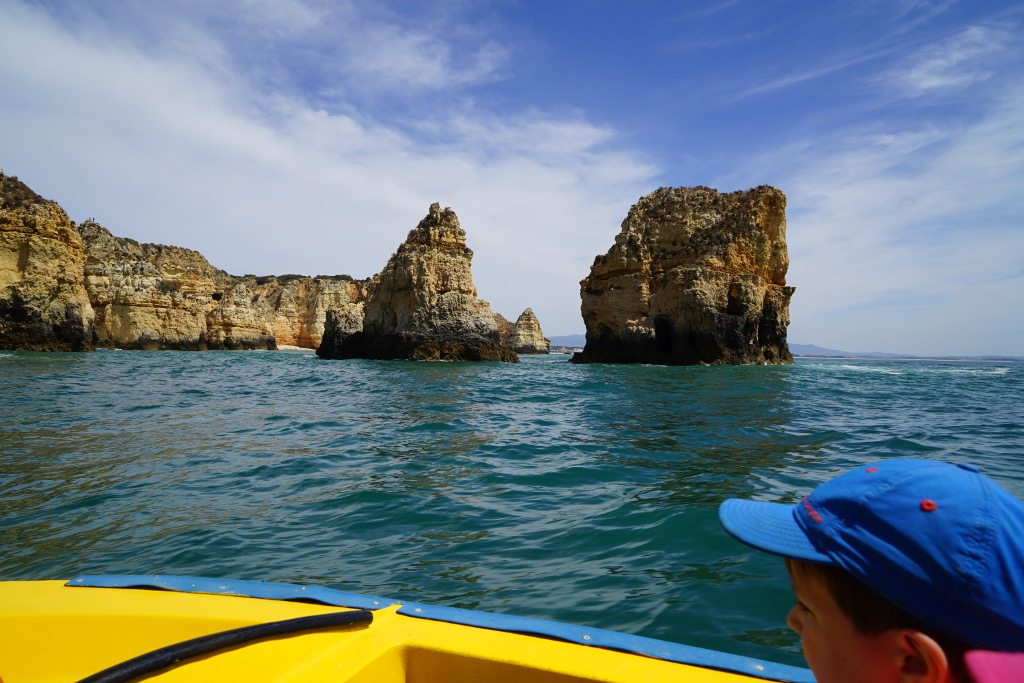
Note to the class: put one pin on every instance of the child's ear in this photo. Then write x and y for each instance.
(922, 660)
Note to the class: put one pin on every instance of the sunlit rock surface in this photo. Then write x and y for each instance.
(69, 288)
(423, 305)
(43, 302)
(695, 276)
(526, 335)
(152, 296)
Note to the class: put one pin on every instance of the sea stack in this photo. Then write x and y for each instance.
(43, 302)
(423, 305)
(526, 337)
(695, 276)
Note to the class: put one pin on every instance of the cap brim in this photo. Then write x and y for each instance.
(771, 527)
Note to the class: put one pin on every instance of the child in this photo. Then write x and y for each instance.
(899, 568)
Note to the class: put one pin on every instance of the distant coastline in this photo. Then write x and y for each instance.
(563, 343)
(813, 351)
(568, 340)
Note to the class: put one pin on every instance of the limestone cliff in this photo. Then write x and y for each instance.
(64, 288)
(505, 328)
(424, 304)
(43, 303)
(151, 296)
(341, 321)
(526, 335)
(300, 305)
(694, 276)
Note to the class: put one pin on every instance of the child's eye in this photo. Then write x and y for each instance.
(801, 606)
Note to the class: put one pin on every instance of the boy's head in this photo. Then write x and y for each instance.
(907, 554)
(852, 634)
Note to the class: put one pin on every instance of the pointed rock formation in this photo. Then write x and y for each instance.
(526, 335)
(43, 303)
(694, 276)
(423, 305)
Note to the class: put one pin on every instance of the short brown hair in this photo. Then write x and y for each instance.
(872, 614)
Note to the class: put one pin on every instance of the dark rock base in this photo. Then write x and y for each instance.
(735, 342)
(259, 344)
(23, 329)
(403, 347)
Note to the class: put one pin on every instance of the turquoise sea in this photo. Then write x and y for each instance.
(579, 493)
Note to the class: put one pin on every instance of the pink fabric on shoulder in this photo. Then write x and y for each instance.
(995, 667)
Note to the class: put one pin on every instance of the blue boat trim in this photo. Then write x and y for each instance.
(247, 589)
(658, 649)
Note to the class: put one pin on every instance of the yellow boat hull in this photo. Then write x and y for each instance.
(52, 631)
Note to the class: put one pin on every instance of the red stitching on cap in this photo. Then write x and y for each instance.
(811, 511)
(871, 470)
(928, 505)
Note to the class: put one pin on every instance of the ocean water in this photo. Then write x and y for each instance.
(579, 493)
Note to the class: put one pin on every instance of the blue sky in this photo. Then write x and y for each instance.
(280, 136)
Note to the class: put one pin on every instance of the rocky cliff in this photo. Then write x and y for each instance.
(43, 302)
(424, 304)
(525, 335)
(152, 296)
(694, 276)
(70, 288)
(67, 287)
(300, 305)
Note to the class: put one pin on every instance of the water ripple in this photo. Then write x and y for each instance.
(578, 493)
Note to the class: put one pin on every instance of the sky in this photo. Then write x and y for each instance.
(307, 136)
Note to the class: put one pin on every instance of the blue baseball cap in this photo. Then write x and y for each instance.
(943, 542)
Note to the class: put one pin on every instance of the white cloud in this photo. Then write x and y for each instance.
(905, 213)
(283, 17)
(923, 10)
(967, 58)
(387, 57)
(168, 127)
(160, 148)
(811, 74)
(904, 236)
(719, 7)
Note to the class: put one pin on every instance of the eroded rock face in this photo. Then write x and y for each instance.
(526, 335)
(300, 305)
(505, 327)
(64, 288)
(43, 302)
(344, 317)
(151, 296)
(694, 276)
(423, 305)
(68, 288)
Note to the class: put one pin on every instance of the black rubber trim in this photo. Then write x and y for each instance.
(175, 654)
